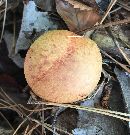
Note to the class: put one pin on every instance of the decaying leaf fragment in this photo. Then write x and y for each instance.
(79, 5)
(46, 5)
(76, 15)
(124, 80)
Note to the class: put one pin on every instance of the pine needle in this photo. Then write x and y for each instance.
(3, 27)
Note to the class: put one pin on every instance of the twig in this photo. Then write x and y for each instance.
(121, 65)
(42, 120)
(124, 21)
(125, 6)
(20, 110)
(123, 54)
(99, 111)
(46, 126)
(112, 3)
(17, 107)
(26, 130)
(115, 10)
(118, 46)
(34, 110)
(33, 128)
(4, 21)
(50, 129)
(7, 121)
(27, 118)
(19, 126)
(11, 107)
(14, 107)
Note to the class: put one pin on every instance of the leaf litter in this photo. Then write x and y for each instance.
(103, 112)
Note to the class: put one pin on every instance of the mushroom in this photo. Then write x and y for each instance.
(62, 67)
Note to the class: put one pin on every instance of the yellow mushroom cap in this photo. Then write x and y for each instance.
(62, 67)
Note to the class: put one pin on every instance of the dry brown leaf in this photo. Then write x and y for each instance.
(91, 3)
(76, 15)
(79, 5)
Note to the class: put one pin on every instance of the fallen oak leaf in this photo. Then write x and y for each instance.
(77, 16)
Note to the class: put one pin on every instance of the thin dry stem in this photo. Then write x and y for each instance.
(50, 129)
(12, 107)
(112, 3)
(7, 121)
(118, 46)
(108, 113)
(124, 55)
(19, 126)
(120, 64)
(19, 110)
(42, 120)
(101, 26)
(4, 21)
(17, 107)
(26, 130)
(35, 110)
(45, 126)
(32, 129)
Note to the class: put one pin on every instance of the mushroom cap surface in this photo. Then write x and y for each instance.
(62, 67)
